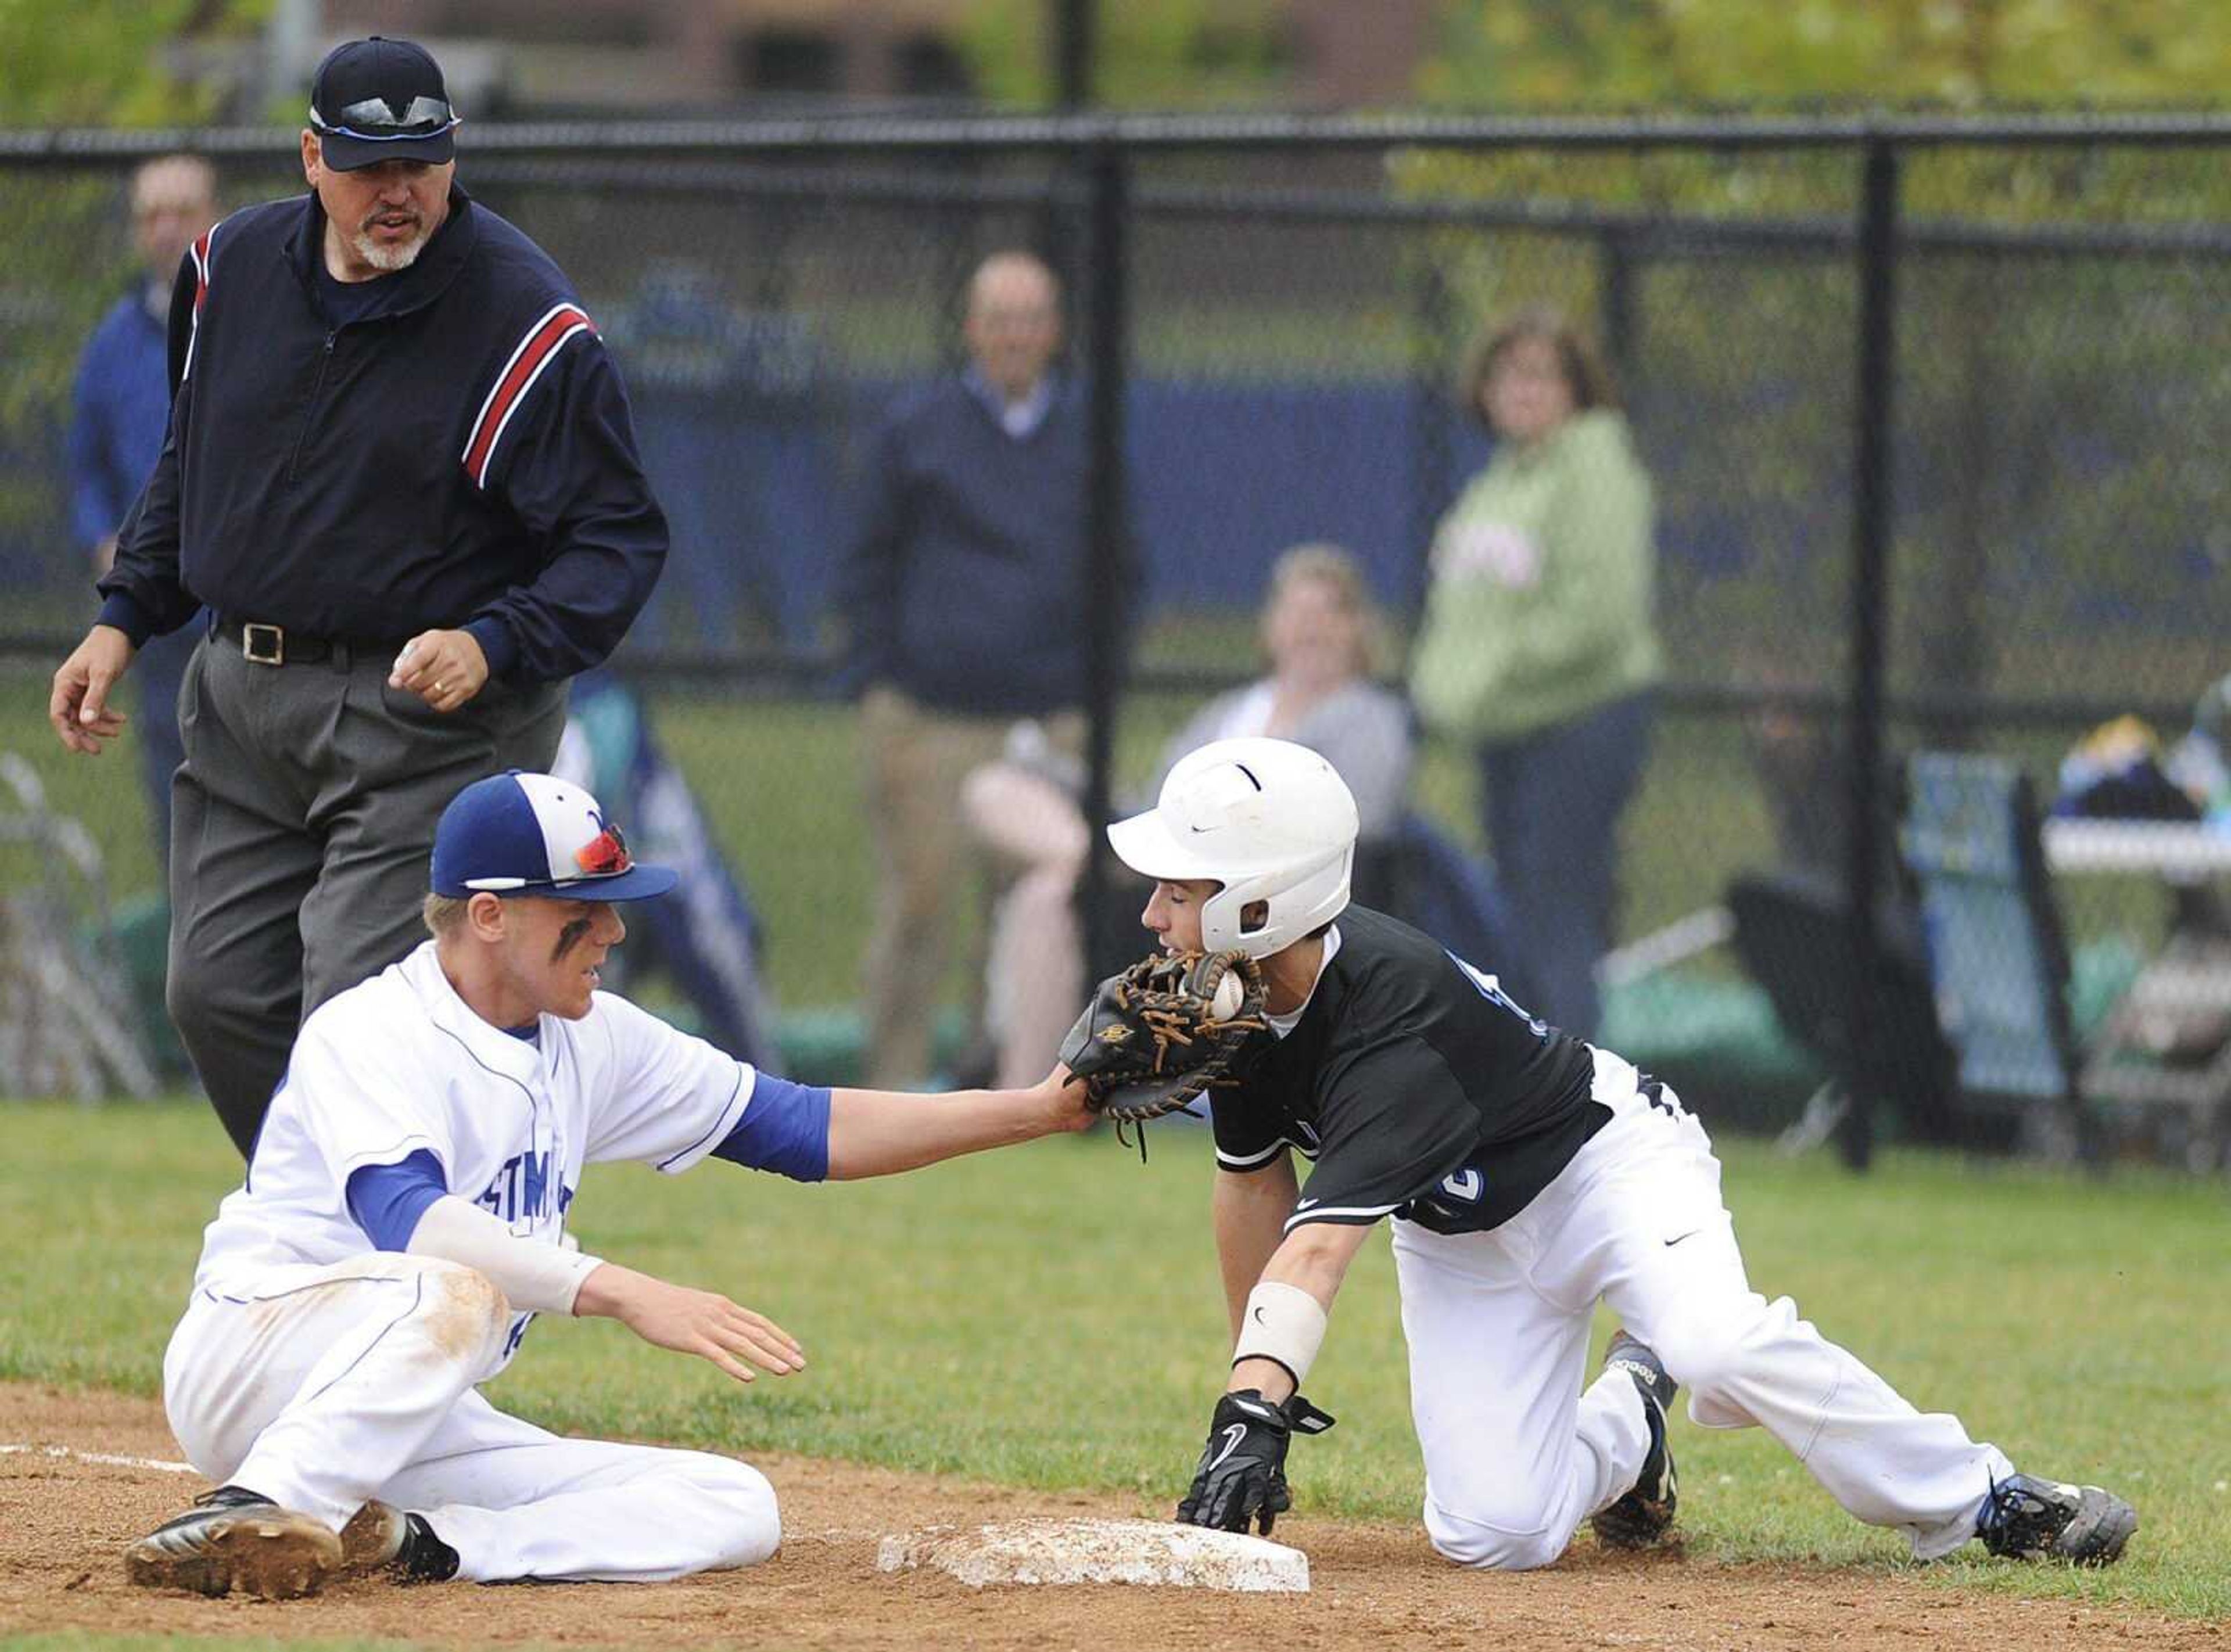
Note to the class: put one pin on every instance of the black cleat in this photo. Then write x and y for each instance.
(236, 1539)
(1645, 1515)
(2027, 1519)
(381, 1538)
(424, 1557)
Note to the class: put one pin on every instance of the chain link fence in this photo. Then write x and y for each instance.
(2047, 548)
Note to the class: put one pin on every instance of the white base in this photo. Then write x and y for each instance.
(1086, 1551)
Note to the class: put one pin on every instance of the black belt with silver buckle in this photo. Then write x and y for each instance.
(275, 645)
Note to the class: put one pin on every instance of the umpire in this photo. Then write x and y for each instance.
(401, 474)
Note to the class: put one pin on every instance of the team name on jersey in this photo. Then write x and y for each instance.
(522, 1188)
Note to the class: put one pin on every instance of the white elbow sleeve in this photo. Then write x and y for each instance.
(1282, 1323)
(543, 1278)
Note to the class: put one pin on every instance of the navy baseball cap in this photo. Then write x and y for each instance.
(522, 834)
(379, 100)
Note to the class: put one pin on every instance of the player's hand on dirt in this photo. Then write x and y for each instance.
(1242, 1475)
(443, 669)
(691, 1321)
(78, 705)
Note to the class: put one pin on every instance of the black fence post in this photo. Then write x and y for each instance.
(955, 241)
(1108, 591)
(1871, 533)
(1071, 29)
(1075, 25)
(1615, 286)
(1434, 345)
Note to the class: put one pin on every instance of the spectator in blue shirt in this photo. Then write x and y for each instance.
(963, 588)
(120, 406)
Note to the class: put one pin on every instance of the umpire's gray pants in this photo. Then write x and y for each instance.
(300, 827)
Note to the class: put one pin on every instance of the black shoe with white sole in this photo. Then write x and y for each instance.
(2029, 1519)
(234, 1539)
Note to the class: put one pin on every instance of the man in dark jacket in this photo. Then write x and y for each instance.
(964, 591)
(401, 475)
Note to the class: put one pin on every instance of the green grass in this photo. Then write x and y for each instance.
(1050, 1316)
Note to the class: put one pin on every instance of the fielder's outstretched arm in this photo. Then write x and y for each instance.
(876, 1132)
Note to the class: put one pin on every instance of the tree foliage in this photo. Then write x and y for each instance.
(1600, 54)
(1148, 54)
(110, 63)
(1570, 54)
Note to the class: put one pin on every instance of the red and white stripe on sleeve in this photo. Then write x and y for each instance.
(199, 252)
(535, 353)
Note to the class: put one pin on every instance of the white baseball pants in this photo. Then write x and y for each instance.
(324, 1387)
(1518, 1455)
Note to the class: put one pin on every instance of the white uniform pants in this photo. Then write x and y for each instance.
(1518, 1455)
(324, 1387)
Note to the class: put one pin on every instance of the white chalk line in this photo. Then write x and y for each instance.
(157, 1464)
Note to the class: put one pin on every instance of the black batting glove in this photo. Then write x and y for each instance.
(1242, 1475)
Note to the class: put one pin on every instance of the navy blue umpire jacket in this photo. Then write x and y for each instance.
(459, 456)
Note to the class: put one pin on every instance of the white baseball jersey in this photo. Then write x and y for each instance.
(401, 1064)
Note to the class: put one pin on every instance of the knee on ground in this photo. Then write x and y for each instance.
(736, 1503)
(1493, 1548)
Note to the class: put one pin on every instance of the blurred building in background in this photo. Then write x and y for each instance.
(590, 57)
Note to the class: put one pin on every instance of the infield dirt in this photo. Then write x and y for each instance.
(65, 1520)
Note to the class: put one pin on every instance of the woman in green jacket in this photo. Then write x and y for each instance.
(1537, 646)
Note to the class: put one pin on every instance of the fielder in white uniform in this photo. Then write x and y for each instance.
(1528, 1176)
(406, 1219)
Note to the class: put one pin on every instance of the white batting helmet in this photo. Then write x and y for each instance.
(1270, 821)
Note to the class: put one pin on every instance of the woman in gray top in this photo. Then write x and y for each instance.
(1319, 629)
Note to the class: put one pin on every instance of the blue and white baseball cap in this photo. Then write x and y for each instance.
(521, 834)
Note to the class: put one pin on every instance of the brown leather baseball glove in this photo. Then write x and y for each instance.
(1164, 1030)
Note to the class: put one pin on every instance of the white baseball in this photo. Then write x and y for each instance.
(1230, 995)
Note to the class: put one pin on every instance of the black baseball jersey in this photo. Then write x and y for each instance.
(1415, 1084)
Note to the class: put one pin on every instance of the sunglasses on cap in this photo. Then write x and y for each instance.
(604, 855)
(373, 121)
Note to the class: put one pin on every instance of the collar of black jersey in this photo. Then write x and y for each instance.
(430, 273)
